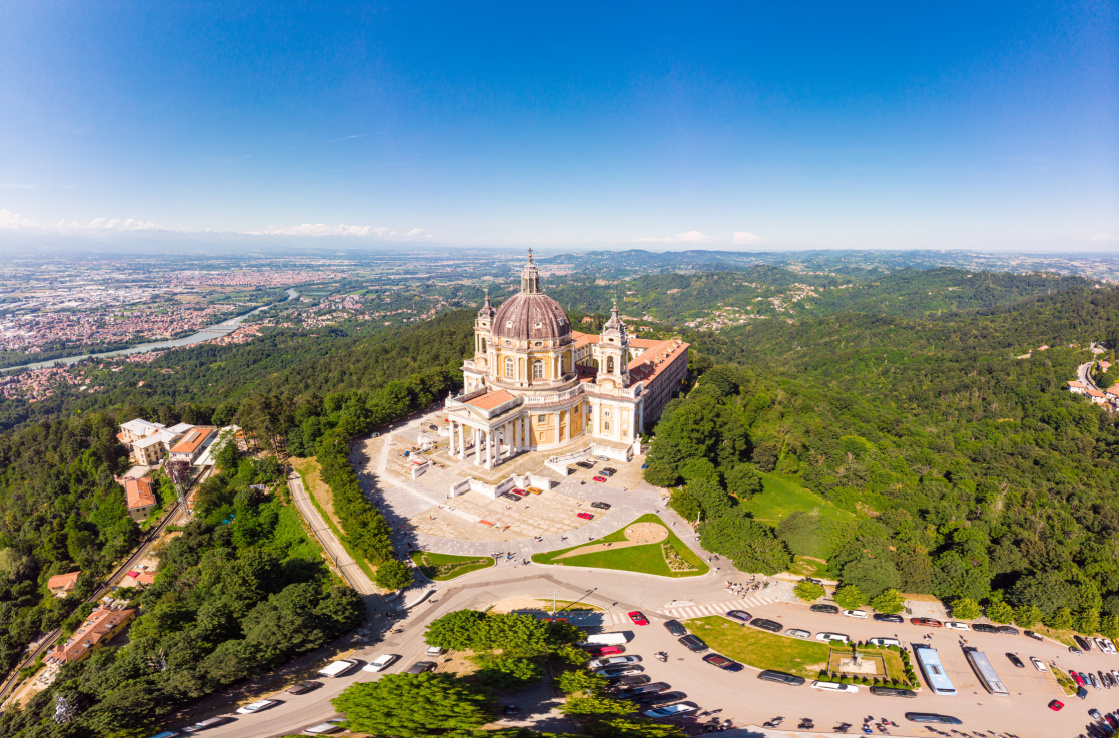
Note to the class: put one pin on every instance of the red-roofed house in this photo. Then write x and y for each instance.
(99, 628)
(61, 585)
(191, 445)
(140, 495)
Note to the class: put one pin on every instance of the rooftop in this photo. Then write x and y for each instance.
(490, 400)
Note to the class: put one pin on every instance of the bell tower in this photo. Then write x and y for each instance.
(613, 351)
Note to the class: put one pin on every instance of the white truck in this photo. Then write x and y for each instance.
(605, 639)
(337, 668)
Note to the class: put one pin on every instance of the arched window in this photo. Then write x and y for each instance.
(538, 369)
(483, 345)
(510, 371)
(609, 364)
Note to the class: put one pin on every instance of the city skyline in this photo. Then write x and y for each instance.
(641, 127)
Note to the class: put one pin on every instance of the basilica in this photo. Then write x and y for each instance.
(535, 384)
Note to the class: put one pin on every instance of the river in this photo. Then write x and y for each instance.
(217, 330)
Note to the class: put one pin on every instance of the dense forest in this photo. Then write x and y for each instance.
(976, 475)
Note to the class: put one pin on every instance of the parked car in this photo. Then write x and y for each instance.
(520, 492)
(722, 662)
(892, 692)
(604, 650)
(1038, 664)
(797, 633)
(1105, 645)
(421, 667)
(608, 471)
(829, 609)
(679, 708)
(1083, 643)
(835, 686)
(661, 699)
(740, 615)
(619, 670)
(693, 644)
(1056, 705)
(1015, 660)
(1035, 636)
(932, 717)
(1092, 679)
(535, 491)
(585, 464)
(334, 725)
(827, 637)
(1009, 630)
(855, 613)
(601, 457)
(652, 688)
(927, 622)
(629, 680)
(771, 625)
(884, 618)
(1105, 679)
(1075, 650)
(585, 516)
(304, 687)
(257, 706)
(781, 678)
(1077, 678)
(613, 660)
(435, 651)
(675, 628)
(1082, 693)
(957, 625)
(638, 618)
(600, 505)
(885, 641)
(984, 628)
(208, 723)
(599, 478)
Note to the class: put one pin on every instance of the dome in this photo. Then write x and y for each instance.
(530, 316)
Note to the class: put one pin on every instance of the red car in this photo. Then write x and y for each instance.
(638, 618)
(927, 622)
(585, 516)
(1077, 678)
(1056, 705)
(606, 650)
(520, 492)
(600, 478)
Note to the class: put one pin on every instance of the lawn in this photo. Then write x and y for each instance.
(647, 559)
(809, 567)
(451, 566)
(781, 496)
(761, 649)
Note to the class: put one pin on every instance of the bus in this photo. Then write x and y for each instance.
(935, 675)
(986, 673)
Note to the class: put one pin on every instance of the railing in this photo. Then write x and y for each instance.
(553, 397)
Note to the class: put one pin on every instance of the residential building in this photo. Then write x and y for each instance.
(99, 628)
(193, 443)
(140, 495)
(136, 429)
(61, 585)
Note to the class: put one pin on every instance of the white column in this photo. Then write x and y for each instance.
(451, 439)
(489, 448)
(477, 447)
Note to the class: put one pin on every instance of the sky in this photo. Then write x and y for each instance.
(738, 125)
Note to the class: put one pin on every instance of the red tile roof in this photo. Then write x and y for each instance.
(65, 582)
(96, 627)
(139, 492)
(192, 440)
(490, 400)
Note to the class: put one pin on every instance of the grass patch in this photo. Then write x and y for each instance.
(782, 495)
(1064, 680)
(806, 566)
(310, 475)
(760, 649)
(441, 567)
(647, 559)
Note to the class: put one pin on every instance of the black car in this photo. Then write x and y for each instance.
(884, 618)
(674, 627)
(585, 464)
(892, 692)
(628, 681)
(932, 717)
(511, 496)
(608, 471)
(771, 625)
(740, 615)
(1007, 630)
(829, 609)
(304, 687)
(1035, 636)
(1016, 661)
(1105, 679)
(984, 628)
(722, 662)
(652, 688)
(693, 644)
(1084, 643)
(660, 699)
(1075, 650)
(420, 667)
(600, 505)
(781, 677)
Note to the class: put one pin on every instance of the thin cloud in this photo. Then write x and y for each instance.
(744, 237)
(8, 219)
(688, 237)
(1102, 237)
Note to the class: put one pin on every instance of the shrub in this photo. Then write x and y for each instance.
(849, 597)
(808, 591)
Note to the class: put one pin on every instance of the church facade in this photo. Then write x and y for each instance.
(535, 384)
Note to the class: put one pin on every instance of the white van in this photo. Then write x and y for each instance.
(338, 668)
(835, 686)
(885, 641)
(605, 639)
(957, 625)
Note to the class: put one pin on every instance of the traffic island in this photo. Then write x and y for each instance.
(443, 567)
(646, 546)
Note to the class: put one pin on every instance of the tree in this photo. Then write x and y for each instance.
(409, 705)
(634, 728)
(743, 482)
(765, 457)
(1109, 626)
(872, 575)
(808, 591)
(596, 704)
(749, 545)
(505, 672)
(849, 597)
(999, 611)
(685, 504)
(1086, 621)
(581, 680)
(457, 630)
(393, 574)
(890, 602)
(1027, 616)
(965, 608)
(660, 474)
(1060, 620)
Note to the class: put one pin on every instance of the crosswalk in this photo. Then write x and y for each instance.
(718, 608)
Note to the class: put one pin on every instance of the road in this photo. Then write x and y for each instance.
(342, 560)
(47, 641)
(740, 696)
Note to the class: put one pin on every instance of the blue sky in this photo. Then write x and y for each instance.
(764, 126)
